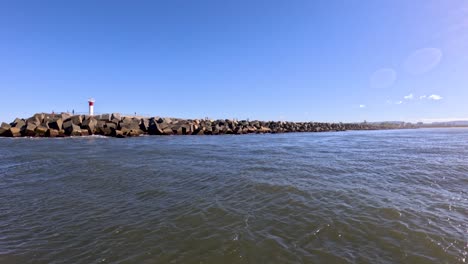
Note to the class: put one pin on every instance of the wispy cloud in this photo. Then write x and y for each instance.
(362, 106)
(409, 97)
(435, 97)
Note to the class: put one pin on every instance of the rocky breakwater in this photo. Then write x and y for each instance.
(115, 125)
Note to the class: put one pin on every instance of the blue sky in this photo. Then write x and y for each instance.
(269, 60)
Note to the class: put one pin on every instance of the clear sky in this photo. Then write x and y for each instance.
(270, 60)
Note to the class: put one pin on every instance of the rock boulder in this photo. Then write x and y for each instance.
(52, 133)
(116, 116)
(71, 129)
(77, 120)
(4, 127)
(30, 130)
(19, 123)
(104, 117)
(14, 132)
(56, 124)
(41, 131)
(90, 125)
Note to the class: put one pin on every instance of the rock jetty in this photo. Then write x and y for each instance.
(115, 125)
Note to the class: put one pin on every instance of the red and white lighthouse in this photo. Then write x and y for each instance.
(91, 106)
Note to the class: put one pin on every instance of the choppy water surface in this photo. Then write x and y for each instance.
(347, 197)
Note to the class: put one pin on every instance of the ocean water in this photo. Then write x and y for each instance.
(397, 196)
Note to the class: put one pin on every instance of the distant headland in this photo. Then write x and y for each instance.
(116, 125)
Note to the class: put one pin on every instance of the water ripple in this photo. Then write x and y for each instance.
(348, 197)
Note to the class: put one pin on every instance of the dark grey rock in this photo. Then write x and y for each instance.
(4, 127)
(19, 123)
(104, 117)
(67, 124)
(131, 132)
(41, 131)
(39, 116)
(167, 131)
(119, 134)
(116, 116)
(111, 125)
(14, 132)
(165, 120)
(49, 118)
(71, 129)
(198, 132)
(64, 116)
(52, 133)
(90, 125)
(107, 131)
(154, 128)
(75, 130)
(30, 130)
(56, 124)
(144, 124)
(16, 121)
(77, 120)
(129, 123)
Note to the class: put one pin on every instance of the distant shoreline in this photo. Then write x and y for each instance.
(116, 125)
